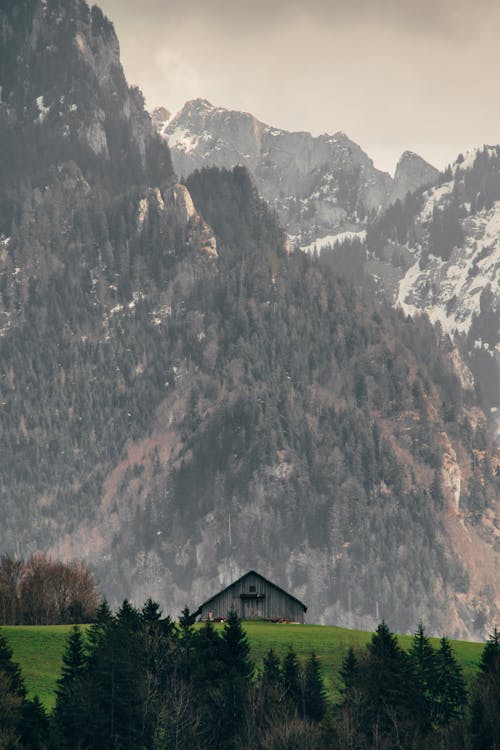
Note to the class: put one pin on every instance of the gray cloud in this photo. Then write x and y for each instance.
(444, 16)
(393, 74)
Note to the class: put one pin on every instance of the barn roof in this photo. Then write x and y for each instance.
(250, 572)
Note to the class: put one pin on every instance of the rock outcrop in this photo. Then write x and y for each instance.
(321, 187)
(412, 173)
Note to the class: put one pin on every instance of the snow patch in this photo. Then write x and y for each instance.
(434, 197)
(332, 239)
(42, 109)
(182, 139)
(450, 291)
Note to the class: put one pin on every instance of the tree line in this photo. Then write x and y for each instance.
(138, 680)
(274, 360)
(42, 591)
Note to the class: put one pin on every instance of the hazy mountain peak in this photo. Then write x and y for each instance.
(340, 136)
(319, 185)
(195, 373)
(322, 187)
(160, 116)
(412, 173)
(408, 156)
(198, 102)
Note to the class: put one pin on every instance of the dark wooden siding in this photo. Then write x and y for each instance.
(270, 603)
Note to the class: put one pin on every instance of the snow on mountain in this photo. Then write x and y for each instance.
(319, 186)
(330, 240)
(439, 254)
(327, 191)
(450, 291)
(449, 285)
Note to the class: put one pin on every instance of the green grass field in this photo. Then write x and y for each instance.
(39, 649)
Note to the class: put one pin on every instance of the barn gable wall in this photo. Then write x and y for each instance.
(265, 601)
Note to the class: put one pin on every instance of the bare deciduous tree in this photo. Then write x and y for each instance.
(11, 572)
(42, 591)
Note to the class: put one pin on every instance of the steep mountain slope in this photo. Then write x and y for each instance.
(64, 96)
(183, 398)
(319, 186)
(328, 194)
(439, 252)
(89, 214)
(412, 172)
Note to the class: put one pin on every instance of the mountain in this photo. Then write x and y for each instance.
(184, 398)
(320, 186)
(439, 252)
(412, 173)
(80, 108)
(327, 193)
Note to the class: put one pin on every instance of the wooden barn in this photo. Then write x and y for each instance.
(253, 597)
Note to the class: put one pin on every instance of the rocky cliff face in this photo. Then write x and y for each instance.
(412, 173)
(320, 186)
(182, 398)
(439, 253)
(326, 189)
(62, 84)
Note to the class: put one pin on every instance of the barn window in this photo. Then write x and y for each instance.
(252, 589)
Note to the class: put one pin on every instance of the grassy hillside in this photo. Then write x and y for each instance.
(38, 650)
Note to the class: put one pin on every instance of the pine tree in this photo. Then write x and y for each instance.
(208, 666)
(100, 670)
(314, 690)
(159, 664)
(271, 673)
(103, 618)
(186, 620)
(35, 725)
(350, 713)
(127, 677)
(450, 692)
(151, 612)
(484, 720)
(70, 711)
(237, 678)
(423, 659)
(292, 681)
(349, 671)
(12, 696)
(388, 685)
(11, 670)
(236, 646)
(10, 714)
(490, 657)
(116, 679)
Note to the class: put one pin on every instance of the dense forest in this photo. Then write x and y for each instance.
(137, 680)
(473, 189)
(183, 398)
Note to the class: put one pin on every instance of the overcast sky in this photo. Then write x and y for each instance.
(393, 74)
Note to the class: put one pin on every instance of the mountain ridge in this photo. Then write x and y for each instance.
(185, 397)
(322, 204)
(319, 185)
